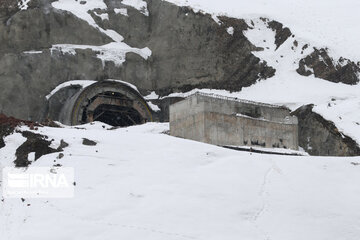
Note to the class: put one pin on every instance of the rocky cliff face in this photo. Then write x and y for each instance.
(324, 66)
(188, 50)
(320, 137)
(157, 47)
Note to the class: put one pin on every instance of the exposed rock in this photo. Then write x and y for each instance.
(88, 142)
(63, 145)
(8, 124)
(163, 104)
(323, 66)
(5, 129)
(11, 122)
(2, 143)
(189, 50)
(34, 143)
(320, 137)
(50, 123)
(8, 8)
(281, 33)
(9, 4)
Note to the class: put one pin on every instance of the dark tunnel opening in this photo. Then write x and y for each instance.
(112, 108)
(117, 116)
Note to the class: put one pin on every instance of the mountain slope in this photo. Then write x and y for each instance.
(164, 48)
(326, 23)
(139, 183)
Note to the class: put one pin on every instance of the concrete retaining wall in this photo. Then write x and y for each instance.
(222, 121)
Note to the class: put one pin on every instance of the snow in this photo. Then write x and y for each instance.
(23, 4)
(82, 83)
(103, 16)
(140, 5)
(291, 89)
(230, 30)
(33, 52)
(112, 52)
(138, 183)
(31, 156)
(337, 102)
(86, 83)
(307, 69)
(122, 11)
(287, 87)
(81, 11)
(7, 154)
(294, 91)
(216, 19)
(154, 107)
(126, 83)
(152, 96)
(324, 23)
(69, 49)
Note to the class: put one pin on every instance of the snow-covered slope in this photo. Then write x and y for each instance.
(326, 23)
(139, 183)
(337, 102)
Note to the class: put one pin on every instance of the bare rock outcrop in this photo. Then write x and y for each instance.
(323, 66)
(189, 50)
(320, 137)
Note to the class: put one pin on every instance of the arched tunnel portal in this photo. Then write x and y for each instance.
(113, 102)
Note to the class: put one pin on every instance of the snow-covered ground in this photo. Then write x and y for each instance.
(139, 183)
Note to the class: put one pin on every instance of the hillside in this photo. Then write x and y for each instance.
(326, 23)
(140, 183)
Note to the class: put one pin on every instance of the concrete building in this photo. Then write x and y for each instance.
(226, 121)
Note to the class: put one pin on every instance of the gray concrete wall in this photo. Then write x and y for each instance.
(229, 106)
(216, 121)
(187, 119)
(232, 130)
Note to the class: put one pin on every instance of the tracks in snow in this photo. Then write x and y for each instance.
(264, 193)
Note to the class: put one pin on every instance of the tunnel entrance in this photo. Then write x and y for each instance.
(117, 116)
(113, 108)
(113, 102)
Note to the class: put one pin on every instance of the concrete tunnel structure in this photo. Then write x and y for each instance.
(113, 102)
